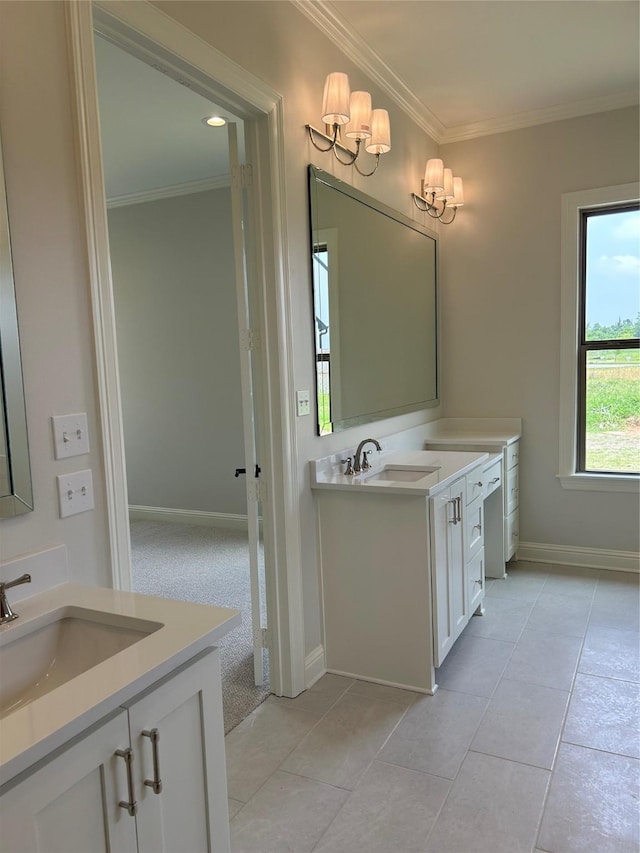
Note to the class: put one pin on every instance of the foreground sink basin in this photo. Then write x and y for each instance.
(44, 656)
(401, 475)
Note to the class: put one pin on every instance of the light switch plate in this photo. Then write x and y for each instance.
(303, 403)
(70, 435)
(75, 492)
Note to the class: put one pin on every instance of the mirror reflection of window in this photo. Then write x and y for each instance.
(323, 341)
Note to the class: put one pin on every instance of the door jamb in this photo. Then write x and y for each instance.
(264, 109)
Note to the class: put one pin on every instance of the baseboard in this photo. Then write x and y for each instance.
(314, 666)
(570, 555)
(188, 516)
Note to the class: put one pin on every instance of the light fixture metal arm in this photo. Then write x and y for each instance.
(332, 141)
(430, 208)
(367, 174)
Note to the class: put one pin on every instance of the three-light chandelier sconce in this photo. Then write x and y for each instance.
(342, 108)
(441, 194)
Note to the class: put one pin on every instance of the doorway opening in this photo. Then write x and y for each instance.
(189, 406)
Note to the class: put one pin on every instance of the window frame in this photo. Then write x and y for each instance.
(573, 238)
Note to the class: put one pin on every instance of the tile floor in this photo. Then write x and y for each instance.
(532, 742)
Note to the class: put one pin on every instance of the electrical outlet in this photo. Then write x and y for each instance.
(75, 492)
(70, 435)
(303, 403)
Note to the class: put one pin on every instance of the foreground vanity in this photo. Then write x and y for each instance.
(402, 561)
(111, 734)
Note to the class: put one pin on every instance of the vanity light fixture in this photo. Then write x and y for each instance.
(440, 192)
(352, 110)
(214, 121)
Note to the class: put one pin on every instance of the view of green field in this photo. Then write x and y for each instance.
(613, 411)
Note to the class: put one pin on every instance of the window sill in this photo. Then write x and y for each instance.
(600, 482)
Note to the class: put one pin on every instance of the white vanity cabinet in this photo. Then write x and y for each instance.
(500, 437)
(80, 799)
(401, 567)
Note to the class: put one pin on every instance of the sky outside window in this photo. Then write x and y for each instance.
(613, 267)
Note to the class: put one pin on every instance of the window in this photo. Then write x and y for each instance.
(600, 354)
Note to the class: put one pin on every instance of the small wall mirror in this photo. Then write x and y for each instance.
(16, 495)
(375, 307)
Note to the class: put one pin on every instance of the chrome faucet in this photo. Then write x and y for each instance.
(358, 463)
(6, 613)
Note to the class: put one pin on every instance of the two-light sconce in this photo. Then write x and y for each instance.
(352, 110)
(440, 192)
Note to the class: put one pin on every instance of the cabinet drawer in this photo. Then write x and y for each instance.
(513, 454)
(512, 537)
(473, 527)
(475, 481)
(493, 477)
(513, 490)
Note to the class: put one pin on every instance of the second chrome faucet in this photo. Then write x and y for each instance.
(360, 462)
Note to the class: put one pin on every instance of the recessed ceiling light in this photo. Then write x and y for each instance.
(214, 121)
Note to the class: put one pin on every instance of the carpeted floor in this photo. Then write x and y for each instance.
(207, 565)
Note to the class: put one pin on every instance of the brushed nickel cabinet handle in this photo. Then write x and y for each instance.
(495, 480)
(130, 805)
(156, 783)
(459, 500)
(453, 501)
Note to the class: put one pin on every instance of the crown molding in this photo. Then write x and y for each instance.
(325, 16)
(187, 188)
(326, 19)
(561, 112)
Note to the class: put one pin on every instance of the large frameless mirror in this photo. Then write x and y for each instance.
(16, 496)
(375, 307)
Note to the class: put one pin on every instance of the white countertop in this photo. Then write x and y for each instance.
(478, 431)
(327, 473)
(32, 731)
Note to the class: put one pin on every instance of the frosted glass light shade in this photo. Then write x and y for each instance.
(458, 193)
(335, 100)
(434, 176)
(447, 191)
(380, 141)
(360, 107)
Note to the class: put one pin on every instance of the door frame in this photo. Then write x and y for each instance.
(211, 73)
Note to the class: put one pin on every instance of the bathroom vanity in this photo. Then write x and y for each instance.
(402, 561)
(500, 437)
(111, 731)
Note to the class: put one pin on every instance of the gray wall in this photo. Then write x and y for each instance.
(176, 318)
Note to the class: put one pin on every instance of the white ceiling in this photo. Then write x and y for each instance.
(151, 129)
(466, 68)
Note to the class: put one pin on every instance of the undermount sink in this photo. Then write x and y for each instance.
(401, 475)
(35, 659)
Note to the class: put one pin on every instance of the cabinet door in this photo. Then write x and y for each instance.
(447, 566)
(71, 802)
(183, 715)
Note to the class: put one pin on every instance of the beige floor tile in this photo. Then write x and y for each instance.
(593, 803)
(523, 723)
(611, 653)
(571, 580)
(392, 809)
(544, 659)
(382, 691)
(257, 747)
(288, 814)
(435, 734)
(616, 603)
(604, 713)
(234, 807)
(560, 614)
(519, 584)
(494, 807)
(504, 619)
(345, 741)
(474, 665)
(319, 698)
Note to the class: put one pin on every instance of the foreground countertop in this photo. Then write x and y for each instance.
(34, 730)
(450, 464)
